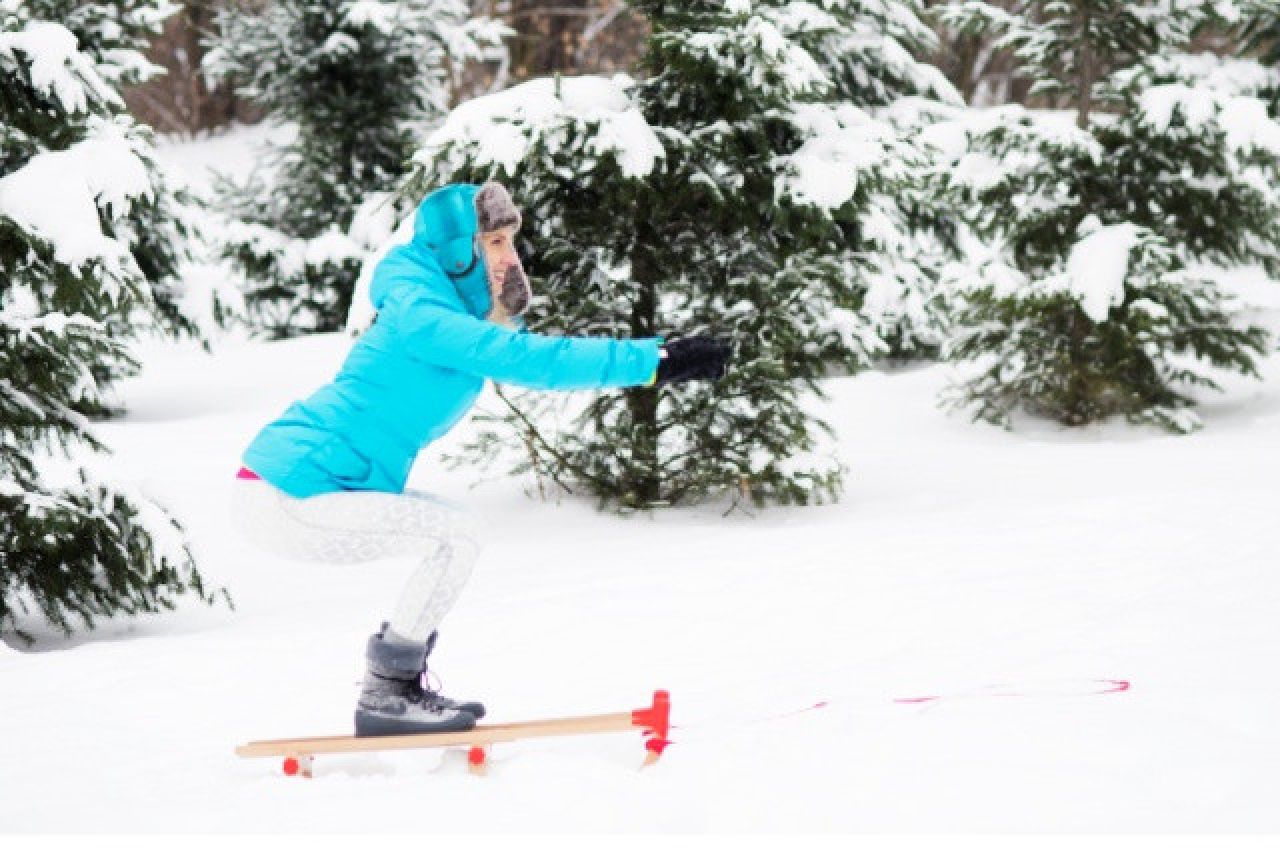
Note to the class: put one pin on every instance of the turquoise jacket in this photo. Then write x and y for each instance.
(420, 366)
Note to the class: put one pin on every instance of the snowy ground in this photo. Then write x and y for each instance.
(1018, 576)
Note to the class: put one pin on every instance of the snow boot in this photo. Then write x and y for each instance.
(392, 699)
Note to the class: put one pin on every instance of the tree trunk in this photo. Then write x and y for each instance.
(642, 402)
(1087, 72)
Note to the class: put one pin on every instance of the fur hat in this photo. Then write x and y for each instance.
(494, 208)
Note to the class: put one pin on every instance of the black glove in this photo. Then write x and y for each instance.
(692, 358)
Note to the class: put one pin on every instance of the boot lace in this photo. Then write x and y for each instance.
(430, 698)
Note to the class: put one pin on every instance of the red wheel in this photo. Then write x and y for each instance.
(290, 766)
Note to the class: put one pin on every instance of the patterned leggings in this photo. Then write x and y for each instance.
(357, 526)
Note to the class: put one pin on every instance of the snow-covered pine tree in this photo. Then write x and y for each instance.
(71, 168)
(352, 80)
(1092, 303)
(872, 53)
(160, 224)
(896, 239)
(1205, 156)
(112, 34)
(725, 229)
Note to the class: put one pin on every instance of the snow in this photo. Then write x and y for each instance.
(1213, 90)
(786, 69)
(959, 559)
(233, 152)
(1227, 75)
(333, 246)
(379, 15)
(57, 194)
(58, 206)
(1249, 284)
(938, 651)
(842, 144)
(952, 136)
(797, 18)
(1248, 126)
(340, 44)
(56, 66)
(1098, 264)
(294, 255)
(503, 127)
(875, 47)
(1196, 105)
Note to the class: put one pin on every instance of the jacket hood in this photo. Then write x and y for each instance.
(444, 229)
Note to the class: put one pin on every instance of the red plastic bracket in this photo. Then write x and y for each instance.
(656, 721)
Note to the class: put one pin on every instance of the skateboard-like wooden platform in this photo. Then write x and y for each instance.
(298, 753)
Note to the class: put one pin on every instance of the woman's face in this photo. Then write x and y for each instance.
(508, 286)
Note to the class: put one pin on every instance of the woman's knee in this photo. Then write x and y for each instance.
(458, 521)
(467, 525)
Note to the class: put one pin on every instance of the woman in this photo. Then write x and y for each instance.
(326, 479)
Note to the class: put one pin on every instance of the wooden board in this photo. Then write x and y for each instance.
(479, 735)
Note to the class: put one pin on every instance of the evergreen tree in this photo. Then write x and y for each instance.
(353, 79)
(112, 34)
(895, 236)
(1069, 47)
(72, 168)
(1094, 303)
(700, 200)
(871, 49)
(160, 226)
